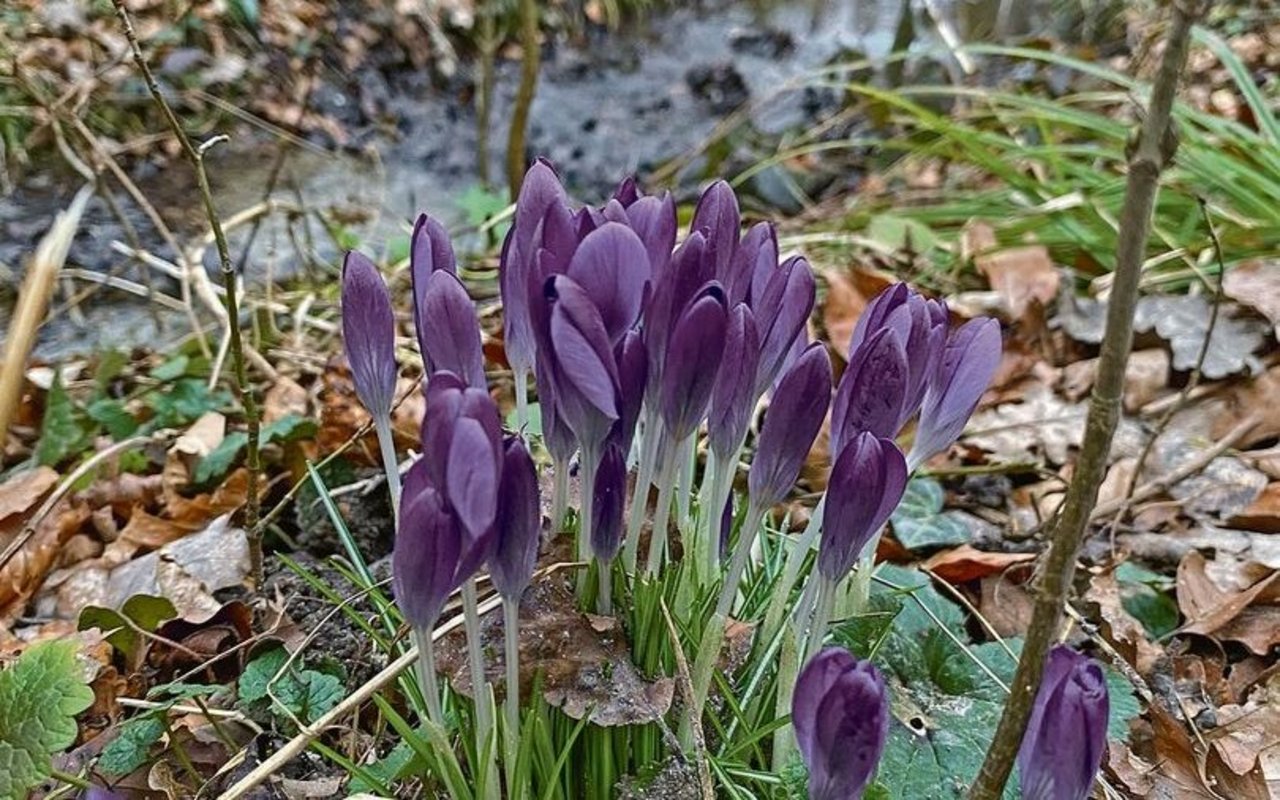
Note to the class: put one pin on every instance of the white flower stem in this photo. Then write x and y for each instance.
(390, 464)
(521, 378)
(640, 493)
(426, 668)
(588, 464)
(791, 573)
(479, 684)
(559, 495)
(511, 730)
(662, 514)
(604, 600)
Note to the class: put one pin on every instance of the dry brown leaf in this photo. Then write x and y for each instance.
(286, 396)
(199, 440)
(1006, 605)
(1250, 616)
(966, 563)
(1119, 627)
(1022, 276)
(584, 670)
(1263, 514)
(1146, 374)
(840, 312)
(30, 565)
(1247, 397)
(23, 491)
(1256, 284)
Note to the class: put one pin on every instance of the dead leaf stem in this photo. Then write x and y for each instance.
(1148, 155)
(248, 403)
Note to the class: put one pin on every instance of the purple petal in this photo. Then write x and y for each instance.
(654, 221)
(628, 192)
(790, 426)
(782, 311)
(633, 369)
(690, 270)
(732, 398)
(586, 376)
(757, 254)
(866, 484)
(369, 333)
(1072, 697)
(693, 357)
(428, 545)
(607, 501)
(965, 370)
(518, 525)
(871, 390)
(717, 216)
(450, 332)
(612, 267)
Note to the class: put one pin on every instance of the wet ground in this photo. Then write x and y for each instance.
(607, 105)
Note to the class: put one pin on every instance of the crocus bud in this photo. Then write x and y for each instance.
(782, 307)
(967, 365)
(690, 270)
(581, 366)
(1067, 733)
(607, 501)
(921, 325)
(717, 216)
(866, 485)
(517, 527)
(653, 219)
(628, 191)
(790, 426)
(429, 250)
(693, 357)
(428, 548)
(756, 253)
(612, 267)
(732, 397)
(449, 332)
(871, 391)
(539, 191)
(462, 450)
(369, 333)
(633, 371)
(840, 711)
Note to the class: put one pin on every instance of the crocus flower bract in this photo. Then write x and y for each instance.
(965, 370)
(449, 331)
(1067, 732)
(865, 487)
(840, 711)
(517, 526)
(369, 333)
(428, 550)
(790, 427)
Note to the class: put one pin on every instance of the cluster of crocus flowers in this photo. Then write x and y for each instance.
(641, 347)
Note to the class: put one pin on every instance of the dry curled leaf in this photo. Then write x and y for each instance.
(584, 670)
(1256, 284)
(1250, 616)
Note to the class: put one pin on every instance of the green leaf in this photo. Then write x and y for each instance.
(387, 770)
(61, 435)
(479, 205)
(219, 459)
(289, 428)
(184, 402)
(901, 233)
(920, 522)
(534, 425)
(110, 364)
(305, 693)
(145, 612)
(39, 698)
(172, 369)
(132, 747)
(111, 414)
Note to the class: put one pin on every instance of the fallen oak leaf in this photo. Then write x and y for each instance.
(20, 493)
(967, 563)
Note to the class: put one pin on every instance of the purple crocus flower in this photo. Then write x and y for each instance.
(693, 357)
(965, 370)
(718, 219)
(369, 333)
(782, 306)
(866, 485)
(462, 450)
(580, 364)
(653, 218)
(607, 500)
(840, 711)
(612, 267)
(449, 332)
(517, 527)
(1067, 733)
(732, 397)
(690, 270)
(757, 253)
(921, 325)
(871, 391)
(790, 426)
(633, 370)
(530, 230)
(429, 547)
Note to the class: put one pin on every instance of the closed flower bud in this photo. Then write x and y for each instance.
(612, 267)
(866, 485)
(871, 391)
(840, 711)
(462, 450)
(450, 332)
(579, 362)
(732, 397)
(531, 230)
(428, 549)
(965, 370)
(517, 528)
(921, 325)
(790, 427)
(693, 357)
(718, 218)
(782, 307)
(607, 500)
(633, 372)
(369, 333)
(1067, 733)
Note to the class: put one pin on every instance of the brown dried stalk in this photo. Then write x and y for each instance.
(524, 95)
(248, 403)
(1148, 155)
